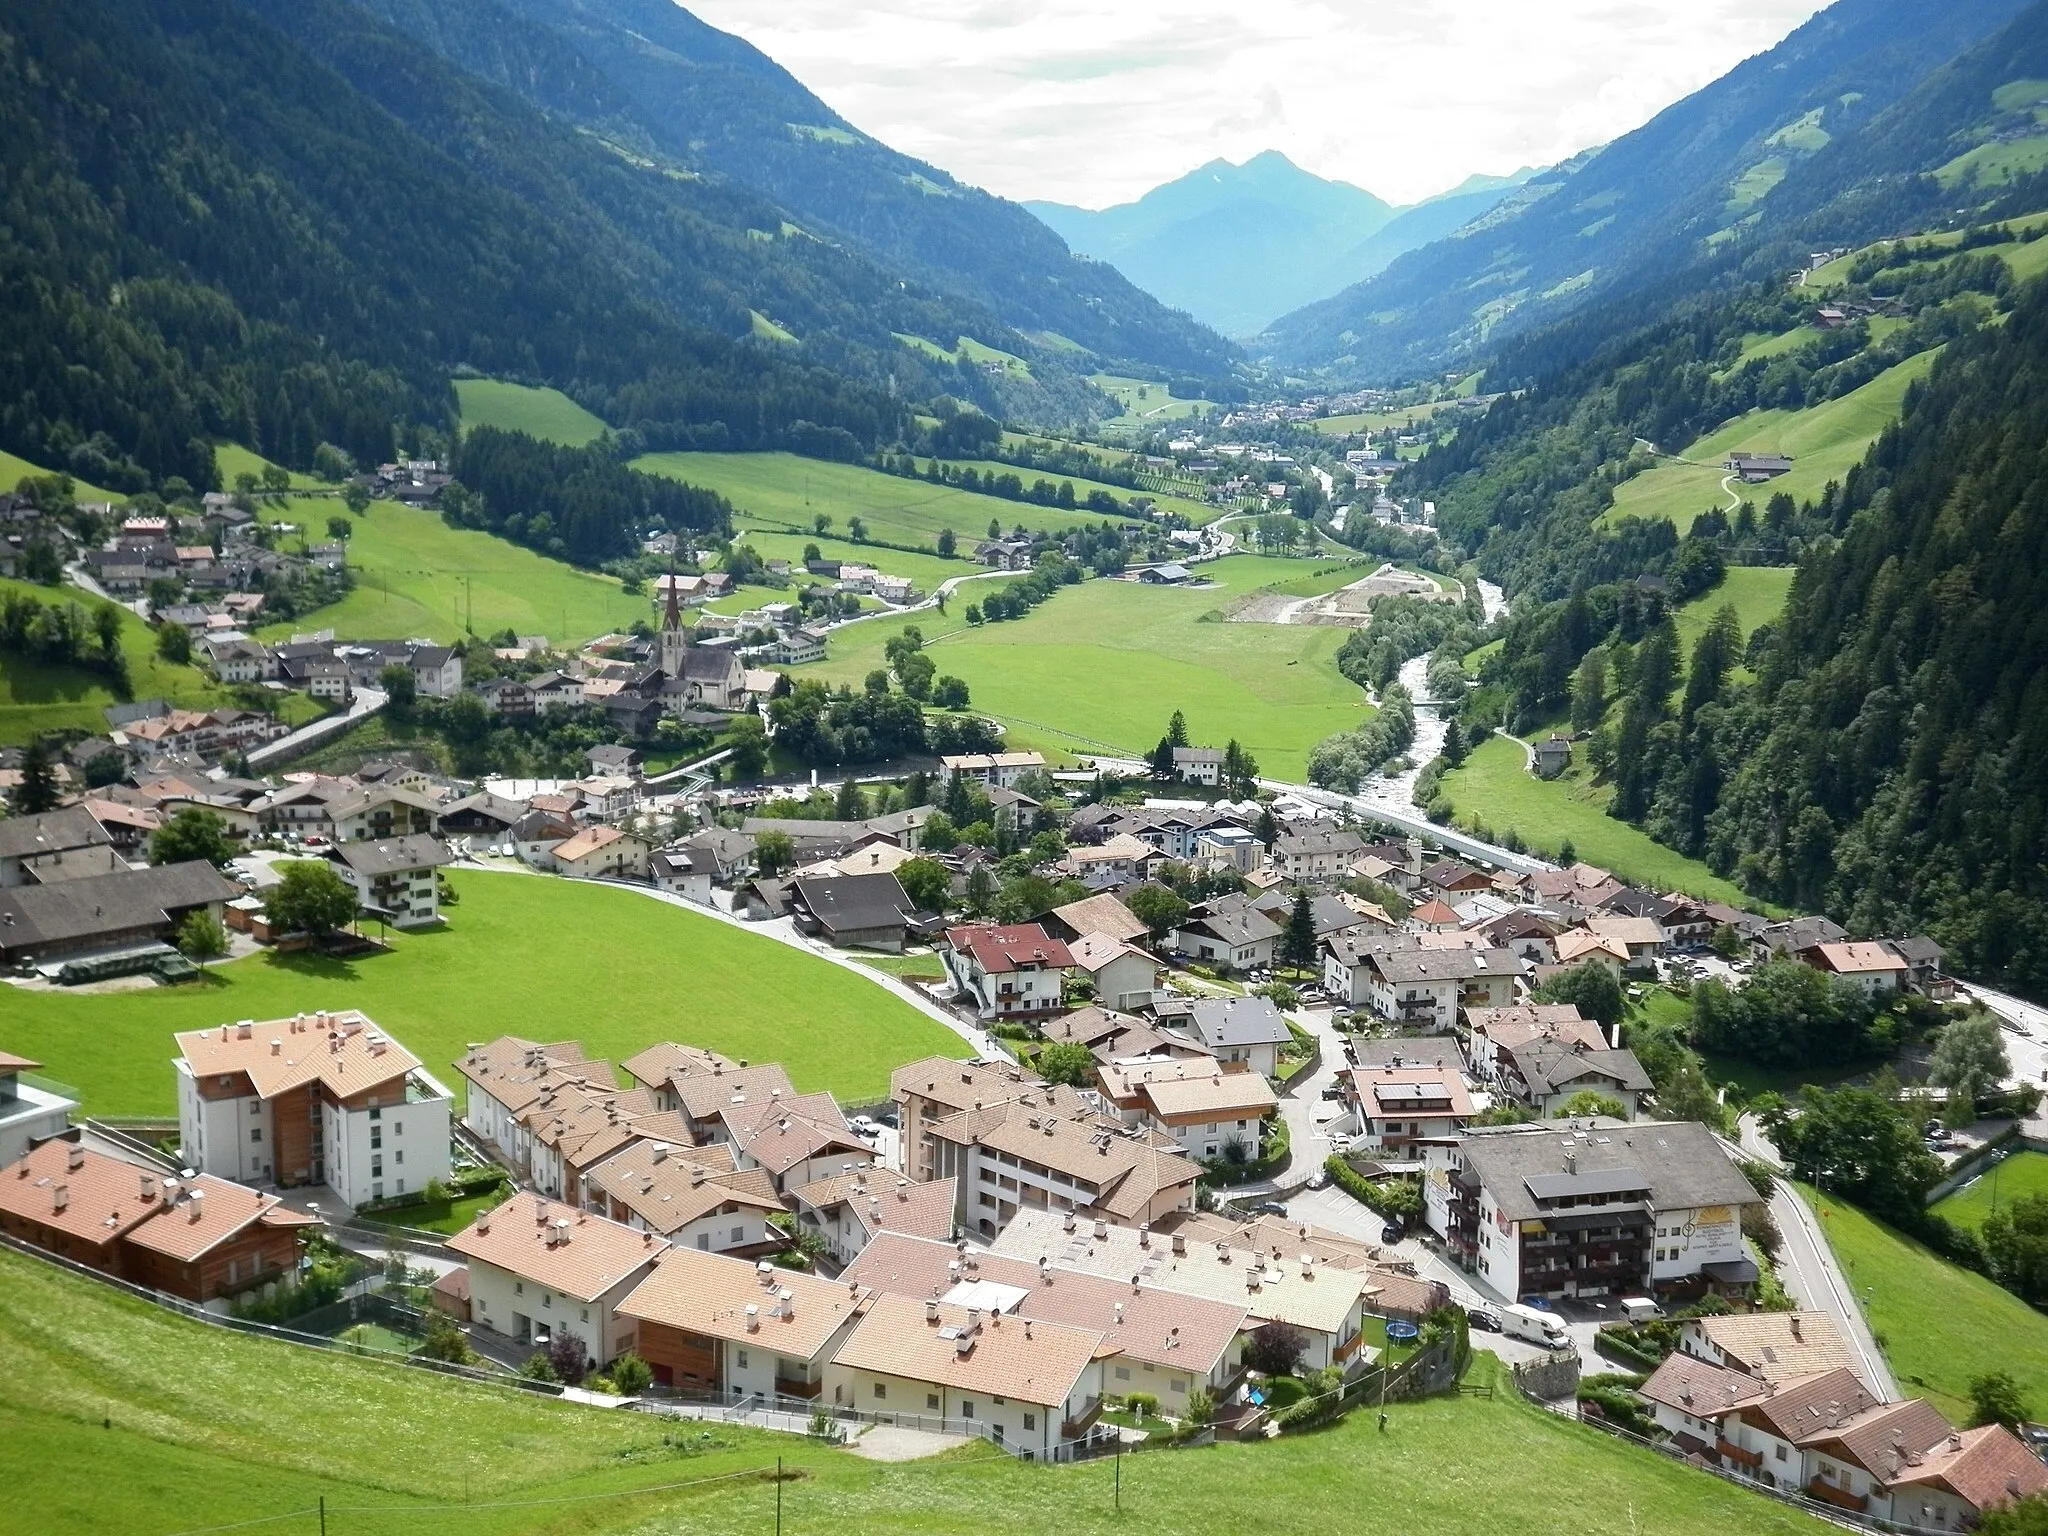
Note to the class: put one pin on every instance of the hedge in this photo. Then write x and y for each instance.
(1399, 1199)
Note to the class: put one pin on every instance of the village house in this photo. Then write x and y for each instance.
(602, 852)
(1398, 1106)
(702, 1085)
(1873, 968)
(1104, 916)
(853, 911)
(199, 1238)
(27, 841)
(1244, 1033)
(1227, 931)
(1545, 1074)
(715, 1327)
(795, 1138)
(537, 834)
(577, 1123)
(1120, 974)
(1209, 1113)
(319, 1098)
(1644, 1209)
(1198, 765)
(994, 770)
(540, 1271)
(1121, 858)
(851, 1210)
(1551, 756)
(1030, 1386)
(1317, 856)
(685, 872)
(1008, 972)
(1579, 946)
(396, 880)
(504, 1078)
(1418, 988)
(1491, 1032)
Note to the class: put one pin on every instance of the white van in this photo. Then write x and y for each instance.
(1520, 1322)
(1639, 1309)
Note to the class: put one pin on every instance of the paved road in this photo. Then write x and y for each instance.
(366, 702)
(1815, 1280)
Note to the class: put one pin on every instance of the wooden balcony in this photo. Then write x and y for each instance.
(804, 1389)
(1840, 1498)
(1083, 1421)
(1731, 1452)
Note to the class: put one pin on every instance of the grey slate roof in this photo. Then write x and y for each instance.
(854, 903)
(1222, 1022)
(25, 837)
(392, 854)
(73, 910)
(1551, 1066)
(1679, 1161)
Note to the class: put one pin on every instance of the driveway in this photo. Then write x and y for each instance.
(1815, 1280)
(367, 701)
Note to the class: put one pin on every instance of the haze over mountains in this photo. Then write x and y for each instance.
(1237, 246)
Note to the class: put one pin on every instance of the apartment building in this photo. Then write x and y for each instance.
(539, 1270)
(319, 1098)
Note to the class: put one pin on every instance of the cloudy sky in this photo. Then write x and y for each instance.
(1095, 101)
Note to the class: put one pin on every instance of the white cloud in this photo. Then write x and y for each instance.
(1094, 101)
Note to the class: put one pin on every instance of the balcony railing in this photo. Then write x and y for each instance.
(1083, 1421)
(1730, 1451)
(1841, 1498)
(802, 1389)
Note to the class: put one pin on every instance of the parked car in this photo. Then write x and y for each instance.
(1270, 1208)
(1392, 1232)
(1334, 1091)
(1482, 1319)
(1319, 1178)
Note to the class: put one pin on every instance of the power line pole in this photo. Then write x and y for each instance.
(1119, 1472)
(323, 1515)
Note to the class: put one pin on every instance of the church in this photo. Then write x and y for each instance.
(693, 676)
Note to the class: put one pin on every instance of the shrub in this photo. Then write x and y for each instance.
(1394, 1198)
(445, 1342)
(1144, 1404)
(1201, 1408)
(631, 1375)
(1276, 1349)
(568, 1357)
(538, 1367)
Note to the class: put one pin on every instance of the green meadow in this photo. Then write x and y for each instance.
(1099, 667)
(781, 490)
(1145, 402)
(544, 413)
(14, 470)
(521, 954)
(1824, 442)
(418, 578)
(2022, 1175)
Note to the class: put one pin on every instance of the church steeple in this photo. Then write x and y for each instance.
(675, 641)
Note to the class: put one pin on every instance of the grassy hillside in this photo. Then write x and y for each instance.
(417, 577)
(1757, 593)
(232, 459)
(1938, 1325)
(544, 413)
(1379, 421)
(35, 698)
(1824, 442)
(123, 1418)
(1101, 666)
(540, 957)
(780, 490)
(1496, 787)
(1196, 512)
(14, 470)
(772, 543)
(1145, 402)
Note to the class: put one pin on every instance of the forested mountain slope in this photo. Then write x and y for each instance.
(656, 80)
(205, 232)
(1693, 184)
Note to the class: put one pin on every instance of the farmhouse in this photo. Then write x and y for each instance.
(601, 852)
(395, 879)
(853, 911)
(1008, 972)
(129, 907)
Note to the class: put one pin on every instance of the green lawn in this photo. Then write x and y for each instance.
(544, 413)
(1101, 666)
(1937, 1324)
(781, 490)
(1196, 512)
(1495, 786)
(417, 577)
(2016, 1177)
(1379, 421)
(35, 698)
(525, 955)
(1824, 443)
(444, 1215)
(14, 470)
(123, 1418)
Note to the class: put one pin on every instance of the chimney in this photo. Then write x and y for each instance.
(60, 1197)
(753, 1318)
(193, 1202)
(1101, 1229)
(540, 1211)
(1173, 1337)
(765, 1273)
(277, 1047)
(973, 1318)
(483, 1224)
(1571, 1162)
(1027, 1328)
(963, 1345)
(1067, 1225)
(1251, 1278)
(1793, 1322)
(660, 1152)
(245, 1028)
(75, 1158)
(931, 1311)
(1144, 1234)
(785, 1302)
(148, 1187)
(1044, 1268)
